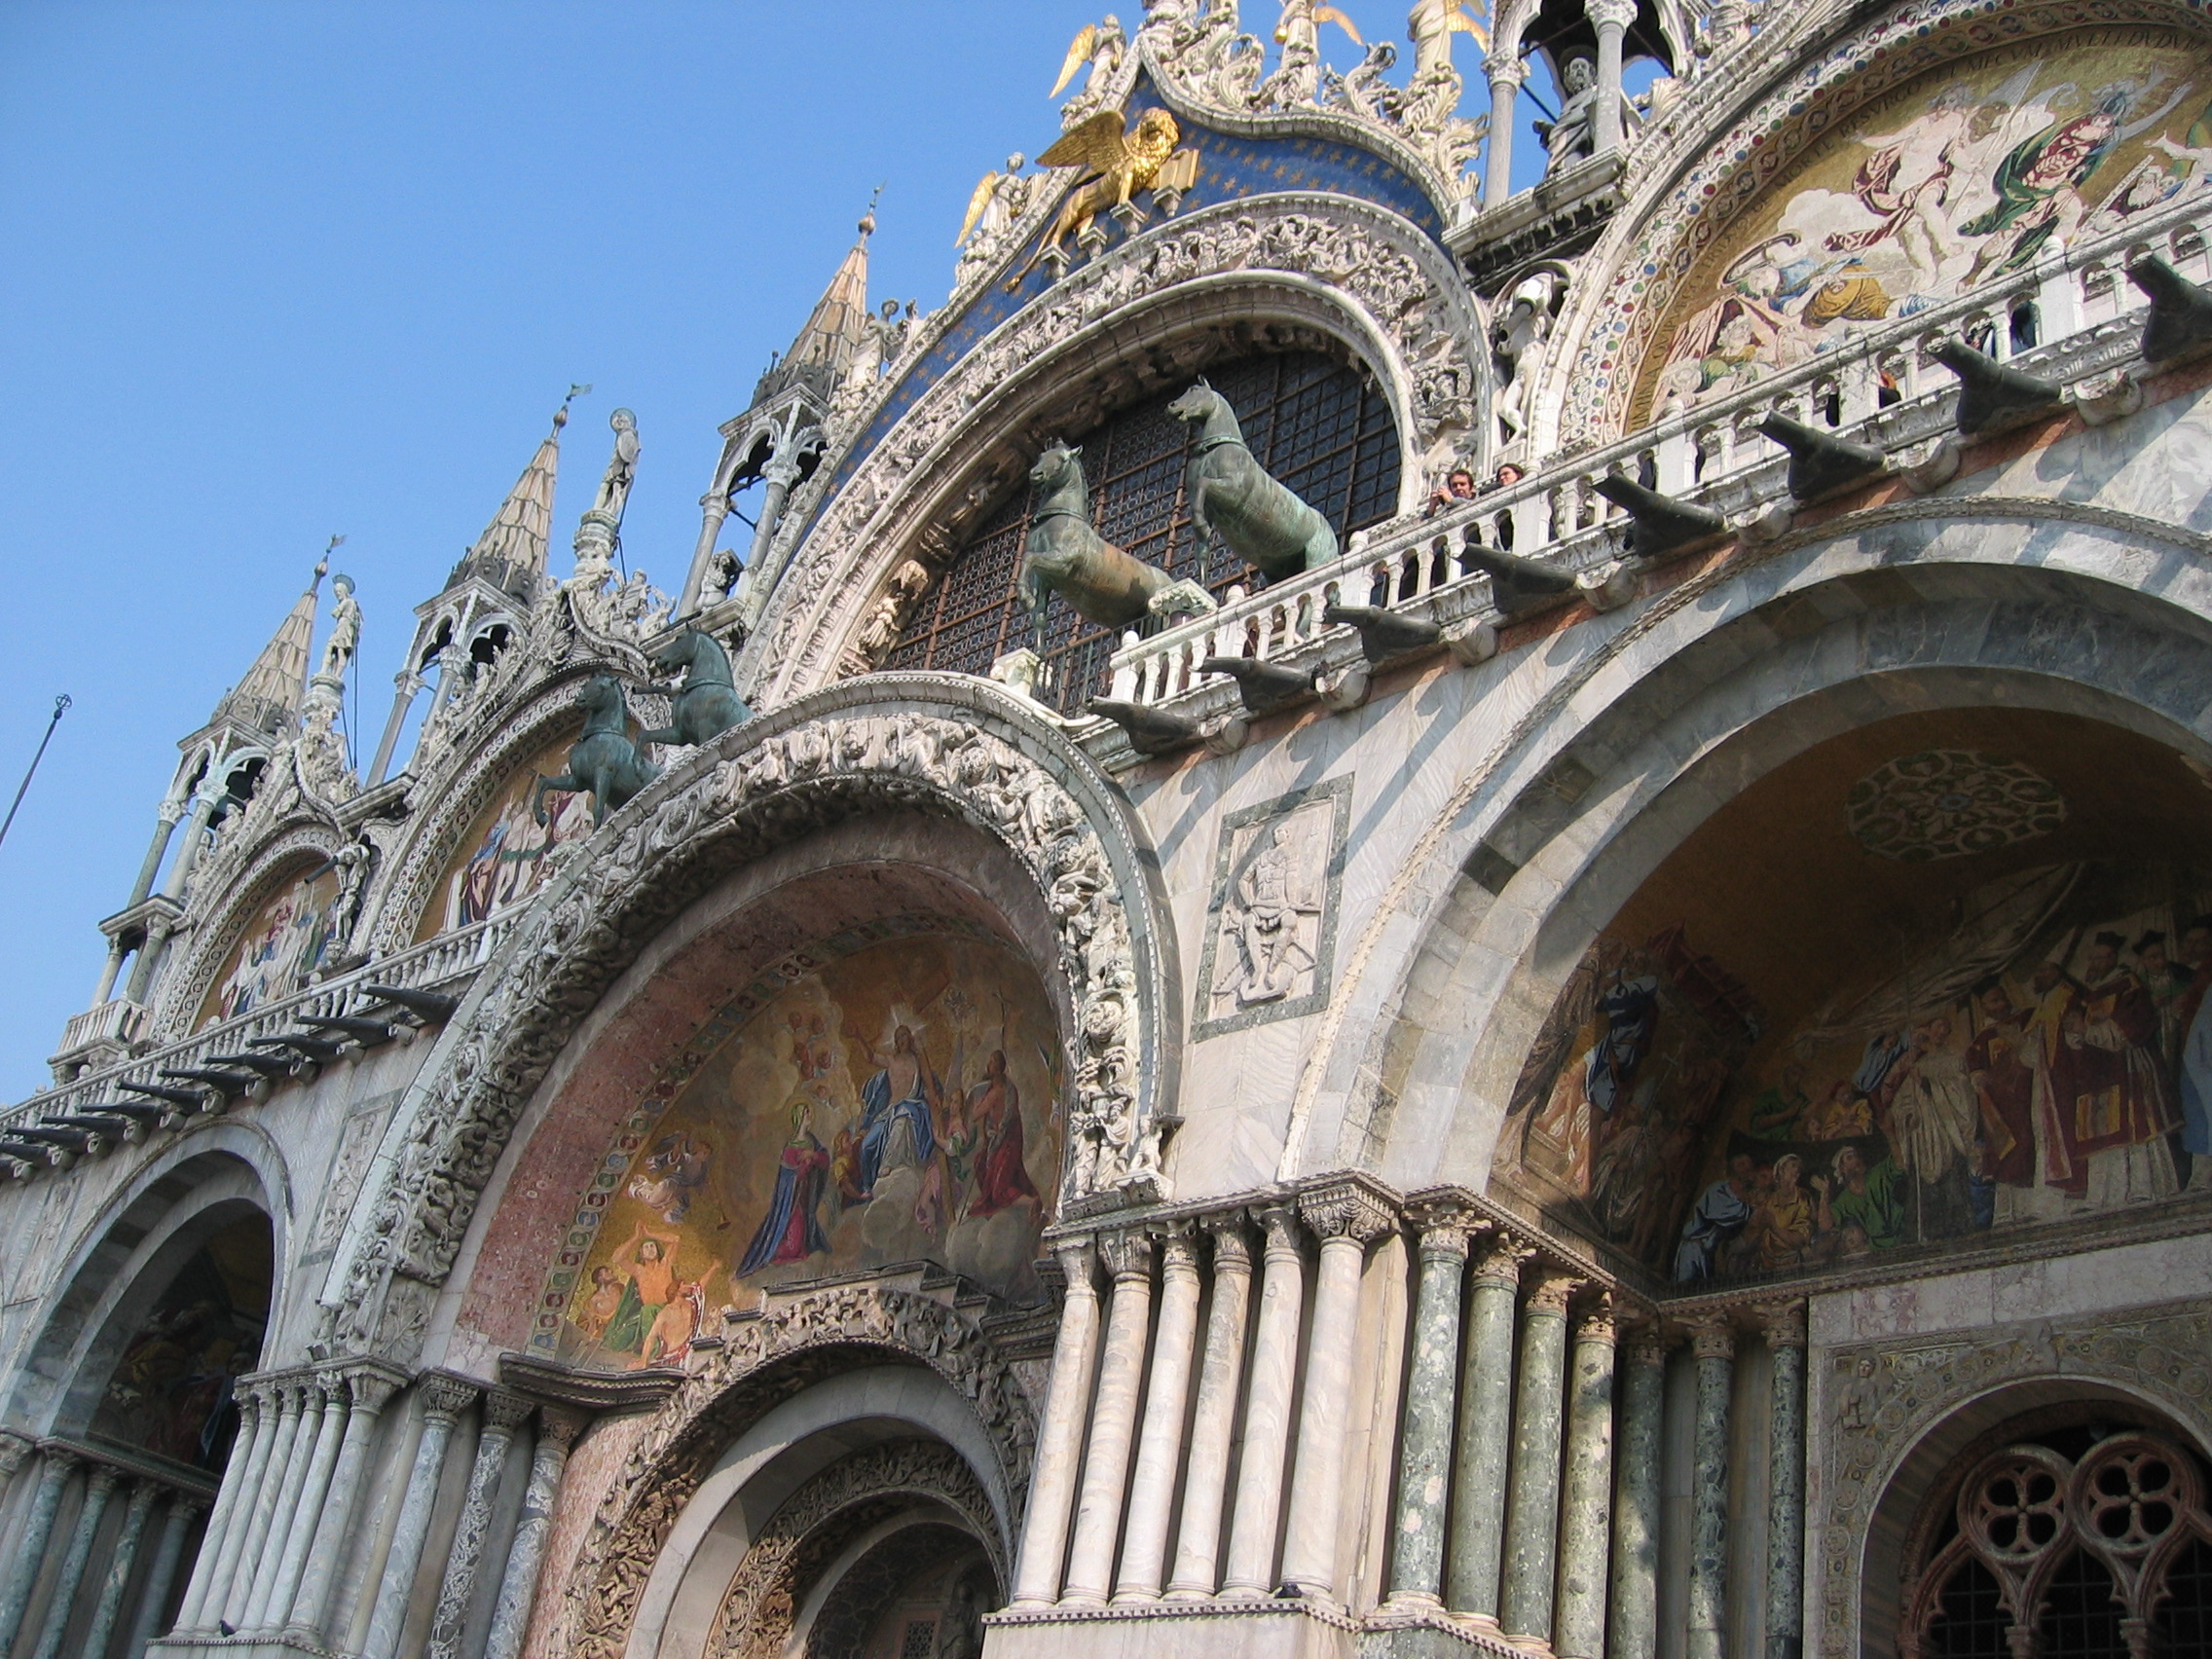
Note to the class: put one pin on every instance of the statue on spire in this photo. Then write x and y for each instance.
(345, 629)
(621, 468)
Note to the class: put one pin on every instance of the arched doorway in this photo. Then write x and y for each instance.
(1321, 426)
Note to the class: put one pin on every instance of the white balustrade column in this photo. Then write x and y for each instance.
(503, 1413)
(366, 1392)
(1345, 1217)
(153, 1600)
(1267, 1411)
(297, 1417)
(557, 1432)
(120, 1560)
(444, 1399)
(1205, 1474)
(1059, 1443)
(1152, 1491)
(99, 1487)
(1113, 1420)
(217, 1547)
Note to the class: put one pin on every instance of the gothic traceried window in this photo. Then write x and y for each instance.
(1323, 429)
(2077, 1550)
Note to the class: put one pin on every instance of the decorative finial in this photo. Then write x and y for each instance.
(577, 389)
(868, 219)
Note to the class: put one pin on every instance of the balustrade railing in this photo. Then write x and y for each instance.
(2060, 321)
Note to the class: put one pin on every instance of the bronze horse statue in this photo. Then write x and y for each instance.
(708, 704)
(603, 760)
(1065, 555)
(1233, 499)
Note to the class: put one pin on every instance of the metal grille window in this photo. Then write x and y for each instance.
(1321, 427)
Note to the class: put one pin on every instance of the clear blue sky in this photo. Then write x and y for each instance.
(270, 272)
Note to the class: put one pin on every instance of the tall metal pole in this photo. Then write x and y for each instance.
(61, 708)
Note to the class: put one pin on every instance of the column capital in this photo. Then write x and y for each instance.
(62, 1456)
(1552, 1289)
(1444, 1222)
(1783, 1322)
(1126, 1255)
(447, 1397)
(1505, 70)
(560, 1426)
(184, 1506)
(1594, 1319)
(1712, 1336)
(103, 1477)
(368, 1390)
(1618, 14)
(1646, 1339)
(1232, 1236)
(1279, 1224)
(1499, 1258)
(1178, 1247)
(15, 1447)
(1345, 1210)
(1077, 1256)
(506, 1409)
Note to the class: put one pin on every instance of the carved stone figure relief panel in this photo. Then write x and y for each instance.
(1270, 924)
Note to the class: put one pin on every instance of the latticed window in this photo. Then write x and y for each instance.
(2104, 1554)
(1321, 427)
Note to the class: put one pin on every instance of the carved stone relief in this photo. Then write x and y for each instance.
(1272, 915)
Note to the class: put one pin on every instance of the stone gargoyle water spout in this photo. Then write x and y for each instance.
(603, 761)
(707, 704)
(1065, 555)
(1233, 499)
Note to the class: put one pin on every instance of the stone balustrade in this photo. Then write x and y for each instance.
(2074, 320)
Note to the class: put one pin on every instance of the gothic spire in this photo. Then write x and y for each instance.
(268, 698)
(520, 531)
(839, 321)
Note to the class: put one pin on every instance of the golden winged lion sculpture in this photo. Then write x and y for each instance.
(1119, 162)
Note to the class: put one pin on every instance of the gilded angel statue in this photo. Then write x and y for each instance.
(1431, 27)
(1100, 45)
(1119, 161)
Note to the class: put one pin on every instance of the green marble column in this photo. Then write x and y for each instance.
(1713, 1341)
(1531, 1500)
(1785, 1484)
(1578, 1614)
(1633, 1607)
(1425, 1447)
(1486, 1420)
(55, 1465)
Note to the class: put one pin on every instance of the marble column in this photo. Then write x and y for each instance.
(298, 1414)
(220, 1545)
(1506, 72)
(1425, 1444)
(1345, 1217)
(503, 1413)
(1485, 1422)
(444, 1399)
(557, 1432)
(1531, 1498)
(314, 1492)
(289, 1512)
(120, 1560)
(164, 829)
(366, 1392)
(1579, 1608)
(204, 805)
(1632, 1611)
(1784, 1328)
(55, 1467)
(1612, 18)
(15, 1451)
(1267, 1411)
(1221, 1375)
(1113, 1420)
(1152, 1488)
(1059, 1442)
(99, 1487)
(1714, 1342)
(405, 684)
(153, 1600)
(109, 969)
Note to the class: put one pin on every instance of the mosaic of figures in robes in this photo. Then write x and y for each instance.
(1962, 180)
(286, 941)
(506, 858)
(893, 1105)
(2048, 1054)
(170, 1392)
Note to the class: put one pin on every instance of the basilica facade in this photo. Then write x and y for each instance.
(1401, 901)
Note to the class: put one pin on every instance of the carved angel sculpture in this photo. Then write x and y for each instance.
(1119, 161)
(1430, 27)
(1100, 45)
(998, 200)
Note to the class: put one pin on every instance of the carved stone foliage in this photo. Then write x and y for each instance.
(1878, 1399)
(793, 1345)
(1390, 286)
(976, 758)
(824, 1515)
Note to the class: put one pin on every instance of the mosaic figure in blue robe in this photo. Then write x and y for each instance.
(896, 1127)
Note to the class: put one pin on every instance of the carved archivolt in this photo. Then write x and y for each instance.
(823, 1516)
(769, 1359)
(959, 749)
(1391, 291)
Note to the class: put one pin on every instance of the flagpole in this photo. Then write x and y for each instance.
(61, 708)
